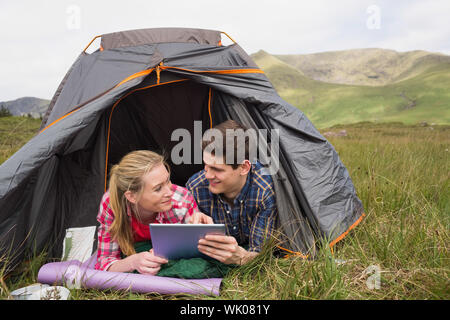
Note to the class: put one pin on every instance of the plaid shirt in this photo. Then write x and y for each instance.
(108, 252)
(251, 218)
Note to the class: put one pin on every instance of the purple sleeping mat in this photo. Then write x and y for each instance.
(75, 274)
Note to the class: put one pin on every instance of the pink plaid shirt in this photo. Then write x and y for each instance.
(108, 252)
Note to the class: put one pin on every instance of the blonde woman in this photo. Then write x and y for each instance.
(140, 192)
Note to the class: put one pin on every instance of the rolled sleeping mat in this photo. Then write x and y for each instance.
(75, 274)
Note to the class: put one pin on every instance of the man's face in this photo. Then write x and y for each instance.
(222, 177)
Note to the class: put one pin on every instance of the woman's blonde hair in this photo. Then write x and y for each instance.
(127, 176)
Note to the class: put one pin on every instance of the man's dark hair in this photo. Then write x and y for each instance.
(235, 134)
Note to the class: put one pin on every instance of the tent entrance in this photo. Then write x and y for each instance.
(147, 117)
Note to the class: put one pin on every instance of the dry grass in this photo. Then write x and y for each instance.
(401, 174)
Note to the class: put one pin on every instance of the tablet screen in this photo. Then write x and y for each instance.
(180, 241)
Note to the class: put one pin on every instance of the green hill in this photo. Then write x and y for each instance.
(415, 90)
(373, 67)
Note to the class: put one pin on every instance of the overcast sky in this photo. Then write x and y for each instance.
(41, 39)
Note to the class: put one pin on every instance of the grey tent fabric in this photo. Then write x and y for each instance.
(159, 35)
(107, 105)
(104, 68)
(297, 233)
(108, 68)
(58, 92)
(323, 178)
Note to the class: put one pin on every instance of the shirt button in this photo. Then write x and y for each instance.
(234, 228)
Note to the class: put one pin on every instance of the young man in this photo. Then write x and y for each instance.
(238, 194)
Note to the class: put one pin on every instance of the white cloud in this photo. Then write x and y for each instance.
(422, 25)
(38, 45)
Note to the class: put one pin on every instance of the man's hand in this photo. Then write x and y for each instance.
(199, 217)
(224, 249)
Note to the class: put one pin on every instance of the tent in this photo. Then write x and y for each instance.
(132, 93)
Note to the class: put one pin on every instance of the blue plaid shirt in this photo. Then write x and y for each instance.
(252, 217)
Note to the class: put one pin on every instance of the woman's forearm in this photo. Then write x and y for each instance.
(123, 265)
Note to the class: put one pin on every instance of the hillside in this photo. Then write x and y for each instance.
(364, 66)
(346, 86)
(34, 107)
(412, 95)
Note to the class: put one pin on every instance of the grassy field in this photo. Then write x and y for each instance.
(401, 174)
(14, 132)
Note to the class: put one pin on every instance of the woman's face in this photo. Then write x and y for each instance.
(157, 192)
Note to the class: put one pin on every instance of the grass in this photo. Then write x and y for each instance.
(401, 174)
(14, 132)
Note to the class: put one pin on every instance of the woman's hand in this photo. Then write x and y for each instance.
(146, 262)
(200, 218)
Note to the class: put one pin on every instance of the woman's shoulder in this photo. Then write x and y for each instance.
(182, 204)
(105, 197)
(182, 197)
(179, 192)
(105, 210)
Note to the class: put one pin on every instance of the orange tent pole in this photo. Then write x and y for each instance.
(90, 43)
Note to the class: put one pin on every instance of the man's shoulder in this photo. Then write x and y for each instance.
(198, 180)
(261, 178)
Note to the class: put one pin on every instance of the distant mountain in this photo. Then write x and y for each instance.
(34, 107)
(370, 66)
(363, 85)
